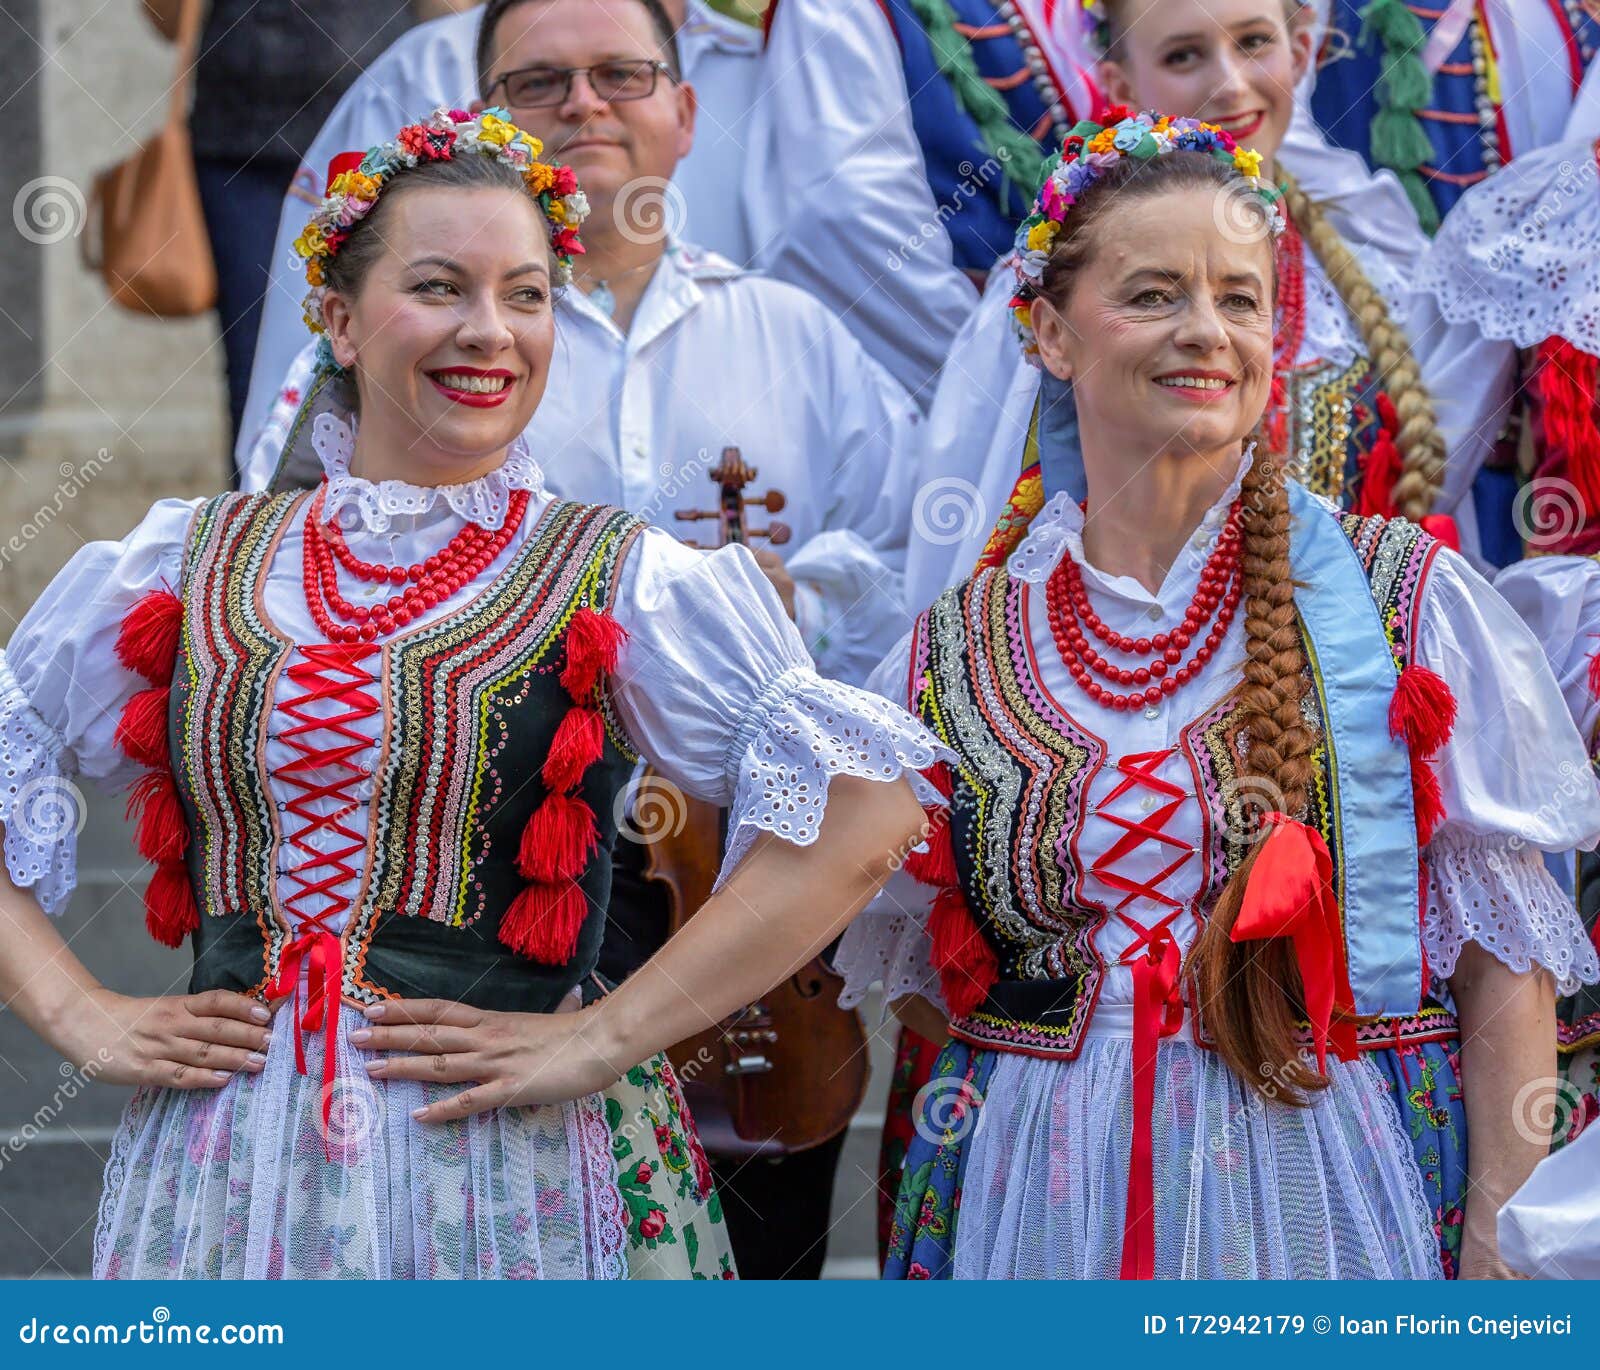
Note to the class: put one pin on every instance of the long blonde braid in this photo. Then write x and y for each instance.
(1422, 448)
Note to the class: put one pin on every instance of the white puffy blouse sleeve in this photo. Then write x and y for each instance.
(62, 689)
(714, 687)
(889, 943)
(1515, 780)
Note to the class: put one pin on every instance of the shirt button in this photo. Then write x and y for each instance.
(1152, 711)
(1148, 803)
(1154, 613)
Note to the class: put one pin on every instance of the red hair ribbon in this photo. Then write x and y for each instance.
(1290, 894)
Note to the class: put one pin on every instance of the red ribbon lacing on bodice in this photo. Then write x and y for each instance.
(327, 672)
(1157, 975)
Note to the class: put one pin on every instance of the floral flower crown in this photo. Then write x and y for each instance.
(1087, 155)
(355, 181)
(1097, 23)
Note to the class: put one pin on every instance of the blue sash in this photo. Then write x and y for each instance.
(1370, 812)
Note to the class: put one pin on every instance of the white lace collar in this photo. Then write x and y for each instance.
(1058, 529)
(483, 501)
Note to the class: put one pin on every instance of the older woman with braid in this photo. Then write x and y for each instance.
(1235, 915)
(1348, 408)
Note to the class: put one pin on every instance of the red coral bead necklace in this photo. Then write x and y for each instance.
(1073, 620)
(427, 583)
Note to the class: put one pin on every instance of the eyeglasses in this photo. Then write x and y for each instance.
(613, 82)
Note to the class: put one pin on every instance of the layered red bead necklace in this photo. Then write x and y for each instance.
(1071, 614)
(427, 583)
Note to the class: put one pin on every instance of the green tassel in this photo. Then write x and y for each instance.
(1022, 161)
(1405, 82)
(1399, 141)
(1422, 201)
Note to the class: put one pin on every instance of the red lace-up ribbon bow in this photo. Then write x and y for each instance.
(1290, 894)
(320, 951)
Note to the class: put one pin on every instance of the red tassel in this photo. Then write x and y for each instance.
(1380, 470)
(169, 908)
(1594, 675)
(142, 729)
(559, 840)
(163, 831)
(147, 642)
(1422, 711)
(544, 921)
(937, 865)
(967, 965)
(941, 778)
(1568, 382)
(593, 641)
(1427, 797)
(579, 741)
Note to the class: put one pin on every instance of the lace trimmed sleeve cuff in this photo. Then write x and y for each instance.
(799, 733)
(1486, 890)
(40, 807)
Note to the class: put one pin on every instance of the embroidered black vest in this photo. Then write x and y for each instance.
(1021, 794)
(469, 704)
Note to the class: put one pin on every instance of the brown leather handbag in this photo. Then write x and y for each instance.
(146, 233)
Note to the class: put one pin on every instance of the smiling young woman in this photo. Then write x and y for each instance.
(1205, 915)
(381, 736)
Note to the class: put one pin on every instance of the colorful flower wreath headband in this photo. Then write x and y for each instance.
(1089, 152)
(1097, 23)
(355, 180)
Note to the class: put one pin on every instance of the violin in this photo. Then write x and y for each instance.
(788, 1071)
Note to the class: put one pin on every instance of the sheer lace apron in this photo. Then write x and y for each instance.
(238, 1183)
(1244, 1188)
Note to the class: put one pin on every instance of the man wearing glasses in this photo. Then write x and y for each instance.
(904, 318)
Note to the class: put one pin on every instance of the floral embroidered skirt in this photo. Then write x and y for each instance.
(1385, 1159)
(242, 1183)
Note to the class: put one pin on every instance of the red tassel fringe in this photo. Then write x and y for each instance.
(593, 641)
(577, 745)
(967, 965)
(1426, 796)
(1568, 382)
(142, 729)
(169, 908)
(1422, 711)
(559, 840)
(543, 922)
(941, 778)
(937, 865)
(163, 831)
(1594, 675)
(147, 642)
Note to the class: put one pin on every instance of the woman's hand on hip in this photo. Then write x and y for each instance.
(176, 1041)
(508, 1059)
